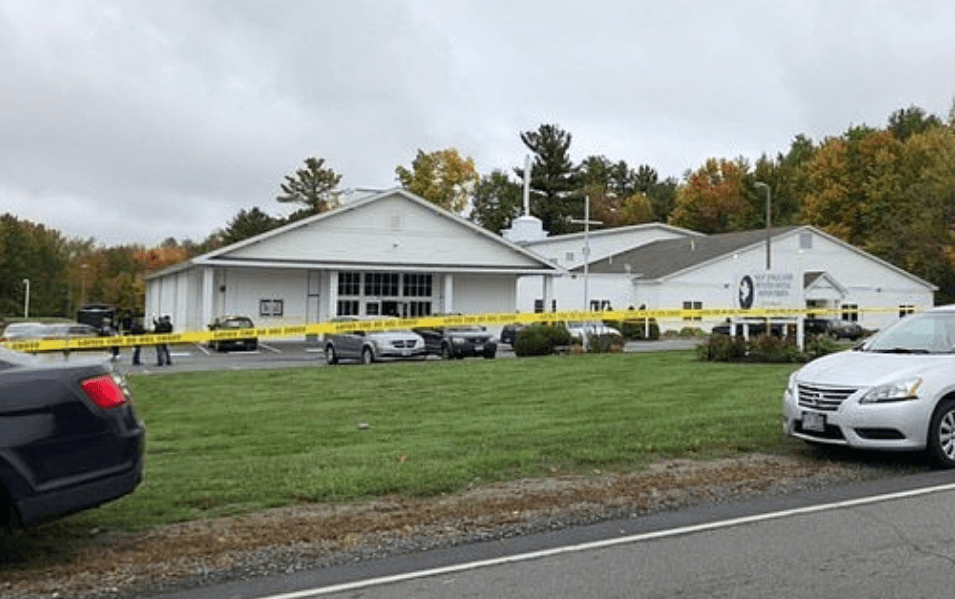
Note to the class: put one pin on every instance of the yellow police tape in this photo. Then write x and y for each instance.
(80, 343)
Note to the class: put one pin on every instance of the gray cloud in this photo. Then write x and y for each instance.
(136, 121)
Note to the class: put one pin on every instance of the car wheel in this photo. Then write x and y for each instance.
(254, 345)
(330, 356)
(367, 356)
(941, 435)
(446, 351)
(9, 518)
(489, 355)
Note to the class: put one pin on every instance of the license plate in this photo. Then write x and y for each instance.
(811, 421)
(478, 348)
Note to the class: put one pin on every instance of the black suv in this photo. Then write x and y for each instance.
(458, 341)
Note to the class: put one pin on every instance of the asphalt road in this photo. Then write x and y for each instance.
(886, 538)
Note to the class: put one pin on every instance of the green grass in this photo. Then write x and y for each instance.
(230, 442)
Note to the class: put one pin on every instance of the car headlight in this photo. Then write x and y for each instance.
(901, 390)
(791, 385)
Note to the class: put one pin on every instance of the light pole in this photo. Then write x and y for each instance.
(586, 223)
(768, 220)
(83, 268)
(26, 299)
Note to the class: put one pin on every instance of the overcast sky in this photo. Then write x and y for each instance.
(131, 121)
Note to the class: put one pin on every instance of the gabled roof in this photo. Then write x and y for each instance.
(245, 252)
(595, 234)
(660, 259)
(820, 278)
(665, 258)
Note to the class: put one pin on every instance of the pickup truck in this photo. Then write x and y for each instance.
(70, 438)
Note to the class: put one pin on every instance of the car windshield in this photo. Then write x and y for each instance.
(237, 323)
(465, 328)
(928, 333)
(24, 329)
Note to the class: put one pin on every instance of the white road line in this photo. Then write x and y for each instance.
(270, 348)
(649, 536)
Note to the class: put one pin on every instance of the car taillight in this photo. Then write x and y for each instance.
(104, 391)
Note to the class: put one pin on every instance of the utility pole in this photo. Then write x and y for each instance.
(26, 299)
(769, 214)
(586, 223)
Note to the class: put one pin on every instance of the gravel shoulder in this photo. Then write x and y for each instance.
(107, 564)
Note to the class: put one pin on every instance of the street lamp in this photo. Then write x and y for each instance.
(586, 223)
(768, 219)
(83, 268)
(26, 299)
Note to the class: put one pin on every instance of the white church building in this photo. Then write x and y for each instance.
(395, 254)
(385, 254)
(664, 268)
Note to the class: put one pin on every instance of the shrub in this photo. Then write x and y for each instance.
(773, 349)
(541, 339)
(722, 348)
(820, 345)
(764, 348)
(636, 329)
(604, 344)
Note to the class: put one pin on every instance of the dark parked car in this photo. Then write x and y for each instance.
(234, 327)
(510, 332)
(458, 341)
(755, 328)
(834, 327)
(70, 438)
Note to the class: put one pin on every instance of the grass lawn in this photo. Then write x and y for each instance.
(230, 442)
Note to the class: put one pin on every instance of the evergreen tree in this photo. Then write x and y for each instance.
(313, 187)
(556, 194)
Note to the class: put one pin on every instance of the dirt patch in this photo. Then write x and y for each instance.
(311, 535)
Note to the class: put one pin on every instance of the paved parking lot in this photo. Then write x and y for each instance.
(292, 354)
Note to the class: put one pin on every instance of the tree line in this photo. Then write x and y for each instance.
(889, 191)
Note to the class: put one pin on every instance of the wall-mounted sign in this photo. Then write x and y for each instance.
(767, 289)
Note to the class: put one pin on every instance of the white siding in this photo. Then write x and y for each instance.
(869, 283)
(475, 294)
(390, 231)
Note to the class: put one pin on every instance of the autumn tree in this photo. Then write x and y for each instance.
(850, 186)
(313, 187)
(443, 177)
(620, 195)
(713, 198)
(555, 183)
(31, 252)
(497, 201)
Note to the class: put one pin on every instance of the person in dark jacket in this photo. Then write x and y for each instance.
(162, 326)
(136, 328)
(108, 330)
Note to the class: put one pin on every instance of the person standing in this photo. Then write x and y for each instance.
(163, 327)
(108, 330)
(136, 328)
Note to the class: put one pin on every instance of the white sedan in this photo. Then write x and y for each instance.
(895, 391)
